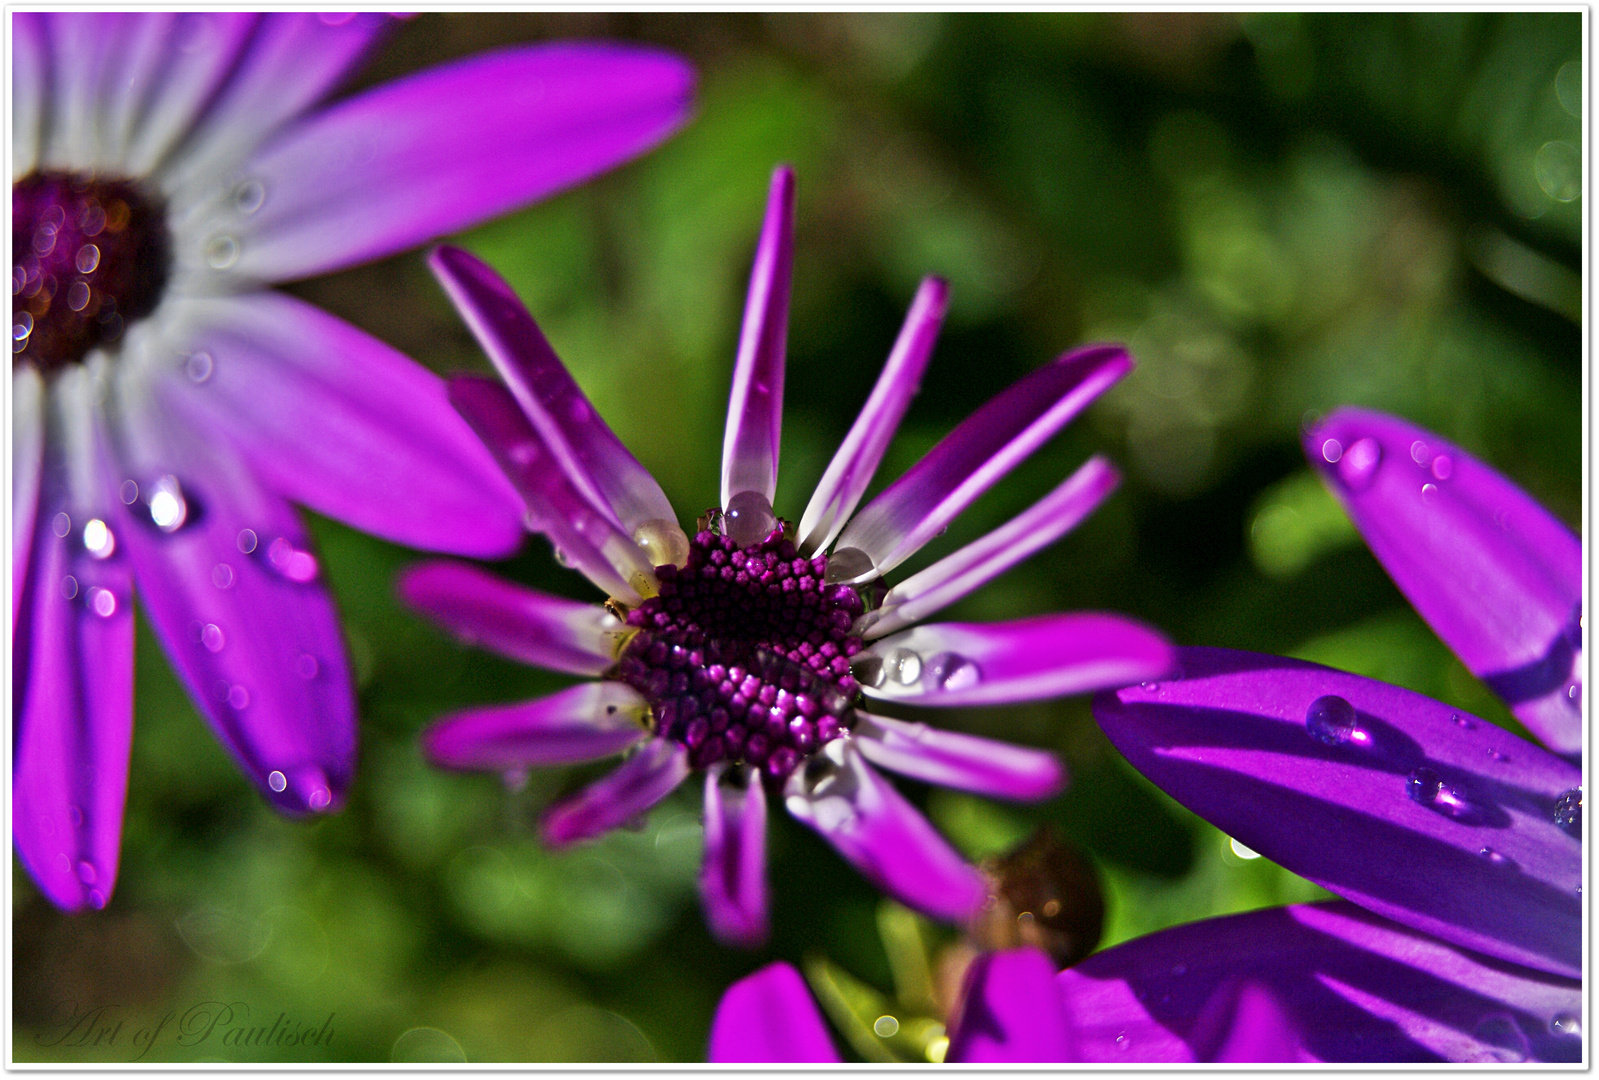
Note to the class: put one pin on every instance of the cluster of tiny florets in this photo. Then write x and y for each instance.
(745, 653)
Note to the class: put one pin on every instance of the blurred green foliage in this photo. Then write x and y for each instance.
(1280, 213)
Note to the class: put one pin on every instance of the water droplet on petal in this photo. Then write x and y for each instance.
(168, 508)
(87, 873)
(1331, 451)
(247, 540)
(868, 670)
(98, 539)
(277, 781)
(1358, 465)
(291, 562)
(1442, 467)
(319, 798)
(848, 564)
(1330, 720)
(212, 638)
(748, 518)
(96, 899)
(238, 697)
(885, 1026)
(306, 666)
(221, 252)
(1429, 494)
(69, 586)
(1463, 721)
(248, 195)
(904, 666)
(563, 558)
(1502, 1037)
(1242, 851)
(951, 671)
(61, 524)
(1498, 858)
(130, 492)
(1419, 453)
(198, 366)
(1495, 755)
(1568, 812)
(75, 815)
(103, 602)
(1423, 786)
(1566, 1024)
(222, 576)
(663, 542)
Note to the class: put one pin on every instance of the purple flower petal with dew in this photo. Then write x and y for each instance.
(746, 652)
(1495, 575)
(168, 409)
(1403, 804)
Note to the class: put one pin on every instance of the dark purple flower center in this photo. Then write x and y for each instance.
(88, 256)
(745, 654)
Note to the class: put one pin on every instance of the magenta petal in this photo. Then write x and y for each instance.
(1351, 986)
(1495, 575)
(1022, 660)
(840, 796)
(951, 759)
(1398, 802)
(1244, 1021)
(1010, 1011)
(755, 411)
(582, 723)
(235, 596)
(590, 455)
(73, 671)
(769, 1017)
(589, 541)
(986, 446)
(640, 782)
(733, 876)
(407, 161)
(954, 576)
(27, 462)
(536, 628)
(333, 418)
(858, 456)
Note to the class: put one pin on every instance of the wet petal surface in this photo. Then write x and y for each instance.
(583, 723)
(955, 760)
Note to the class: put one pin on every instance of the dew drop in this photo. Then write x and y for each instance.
(319, 798)
(1502, 1037)
(306, 666)
(848, 565)
(98, 539)
(1331, 451)
(1442, 467)
(61, 524)
(885, 1027)
(168, 508)
(212, 638)
(96, 899)
(277, 781)
(222, 576)
(291, 562)
(129, 492)
(103, 602)
(69, 586)
(75, 815)
(1566, 1024)
(868, 670)
(221, 252)
(1242, 851)
(563, 558)
(1429, 494)
(1359, 463)
(1423, 786)
(1498, 858)
(87, 873)
(1419, 453)
(247, 540)
(748, 518)
(248, 195)
(951, 671)
(1568, 812)
(904, 666)
(1330, 720)
(238, 697)
(1495, 755)
(1463, 721)
(663, 542)
(198, 366)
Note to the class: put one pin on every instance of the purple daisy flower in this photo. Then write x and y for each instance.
(742, 651)
(168, 408)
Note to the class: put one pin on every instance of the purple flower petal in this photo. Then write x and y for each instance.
(1244, 1021)
(882, 835)
(533, 627)
(1493, 573)
(29, 52)
(1353, 986)
(590, 455)
(733, 875)
(643, 780)
(986, 446)
(1010, 1011)
(769, 1017)
(79, 43)
(405, 162)
(73, 672)
(582, 723)
(858, 456)
(235, 596)
(335, 419)
(954, 576)
(587, 540)
(27, 461)
(951, 759)
(1021, 660)
(1398, 802)
(755, 411)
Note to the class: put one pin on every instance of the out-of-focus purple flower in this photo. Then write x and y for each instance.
(742, 652)
(168, 408)
(1495, 575)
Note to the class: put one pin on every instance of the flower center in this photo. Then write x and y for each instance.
(744, 655)
(88, 256)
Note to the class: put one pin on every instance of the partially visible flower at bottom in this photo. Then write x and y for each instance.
(744, 652)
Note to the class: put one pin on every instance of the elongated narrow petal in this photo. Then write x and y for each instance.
(524, 624)
(73, 669)
(1398, 802)
(589, 541)
(29, 87)
(235, 596)
(405, 162)
(769, 1017)
(333, 418)
(755, 412)
(1354, 987)
(951, 759)
(855, 463)
(968, 461)
(78, 61)
(733, 876)
(840, 796)
(1493, 573)
(27, 464)
(1022, 660)
(640, 782)
(1011, 1011)
(590, 455)
(582, 723)
(954, 576)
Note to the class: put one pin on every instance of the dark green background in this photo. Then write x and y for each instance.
(1278, 213)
